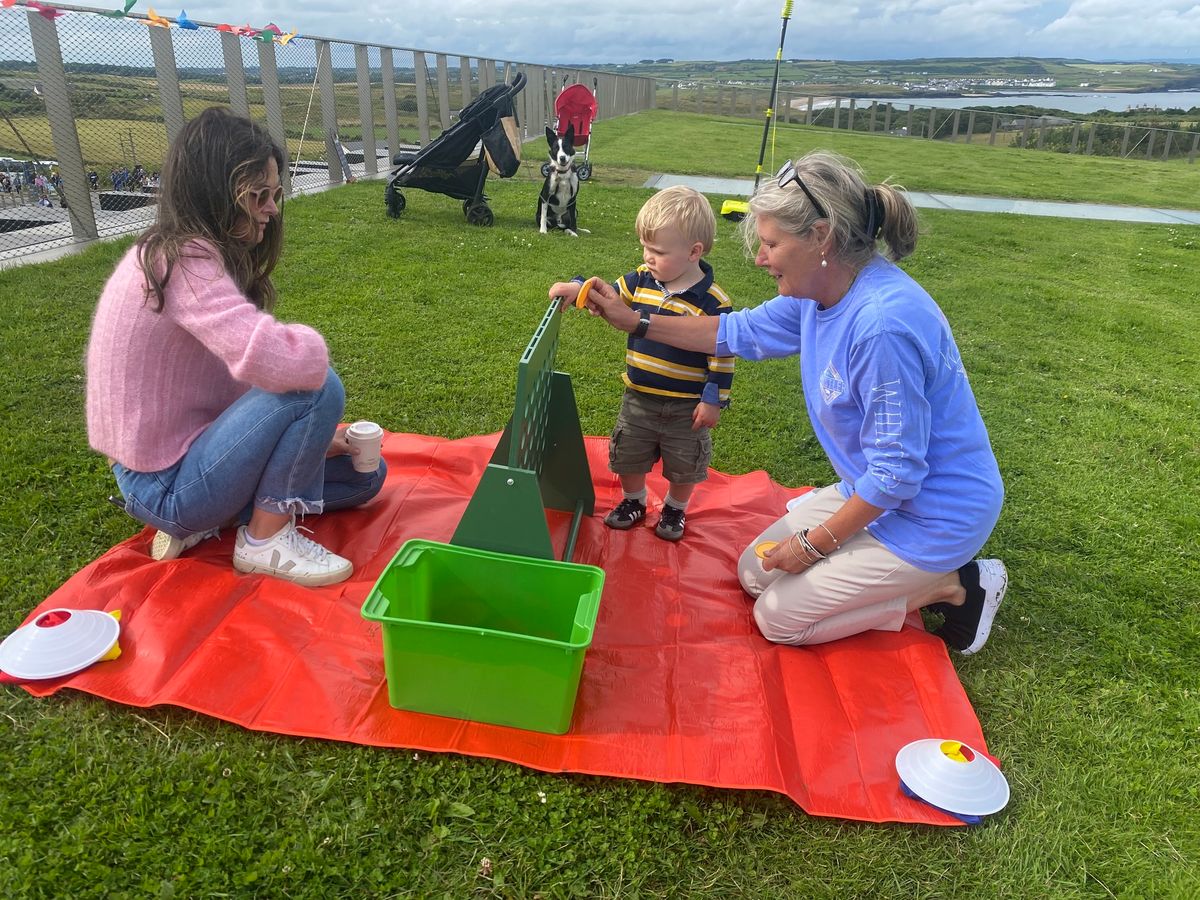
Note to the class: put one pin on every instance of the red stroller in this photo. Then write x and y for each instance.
(576, 105)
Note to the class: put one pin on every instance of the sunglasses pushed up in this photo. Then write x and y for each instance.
(787, 174)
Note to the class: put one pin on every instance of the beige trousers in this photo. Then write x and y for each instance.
(862, 586)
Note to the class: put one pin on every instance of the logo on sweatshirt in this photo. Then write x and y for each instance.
(832, 385)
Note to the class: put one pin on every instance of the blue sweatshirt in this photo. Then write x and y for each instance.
(890, 403)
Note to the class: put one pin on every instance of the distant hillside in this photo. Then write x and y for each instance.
(927, 77)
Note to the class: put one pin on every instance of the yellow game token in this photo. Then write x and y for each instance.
(761, 550)
(581, 300)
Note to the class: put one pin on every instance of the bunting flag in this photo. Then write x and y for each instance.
(285, 39)
(120, 13)
(273, 28)
(184, 22)
(46, 12)
(7, 3)
(153, 18)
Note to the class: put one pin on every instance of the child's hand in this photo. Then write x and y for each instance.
(567, 291)
(706, 415)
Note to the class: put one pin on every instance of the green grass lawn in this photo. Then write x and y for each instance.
(1080, 342)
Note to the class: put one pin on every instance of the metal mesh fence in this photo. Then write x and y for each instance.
(91, 99)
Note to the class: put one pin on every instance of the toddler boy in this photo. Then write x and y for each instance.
(673, 398)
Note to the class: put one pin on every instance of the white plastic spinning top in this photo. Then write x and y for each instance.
(60, 642)
(953, 777)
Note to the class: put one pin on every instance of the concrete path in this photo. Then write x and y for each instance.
(738, 187)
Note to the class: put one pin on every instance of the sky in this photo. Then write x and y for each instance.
(614, 31)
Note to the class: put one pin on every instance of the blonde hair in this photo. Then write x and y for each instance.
(839, 186)
(679, 207)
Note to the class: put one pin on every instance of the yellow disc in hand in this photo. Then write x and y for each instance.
(761, 550)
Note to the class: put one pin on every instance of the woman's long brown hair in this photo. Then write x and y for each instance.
(206, 176)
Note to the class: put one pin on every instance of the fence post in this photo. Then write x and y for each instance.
(388, 70)
(837, 113)
(535, 117)
(808, 115)
(992, 135)
(1150, 136)
(1195, 146)
(421, 85)
(1025, 134)
(652, 86)
(366, 115)
(871, 121)
(887, 118)
(235, 73)
(44, 36)
(1042, 134)
(909, 129)
(328, 110)
(269, 75)
(954, 127)
(486, 77)
(1124, 141)
(1167, 147)
(443, 83)
(163, 48)
(850, 115)
(1075, 138)
(932, 122)
(970, 127)
(464, 75)
(1091, 139)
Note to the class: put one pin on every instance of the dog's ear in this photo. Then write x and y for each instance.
(551, 137)
(570, 135)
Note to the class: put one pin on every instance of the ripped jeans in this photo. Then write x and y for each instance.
(266, 451)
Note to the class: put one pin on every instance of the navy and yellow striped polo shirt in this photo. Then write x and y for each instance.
(654, 368)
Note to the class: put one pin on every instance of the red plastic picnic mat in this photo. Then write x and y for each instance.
(678, 685)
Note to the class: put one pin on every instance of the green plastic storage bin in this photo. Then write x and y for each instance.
(485, 636)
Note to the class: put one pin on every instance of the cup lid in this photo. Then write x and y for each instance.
(58, 642)
(363, 428)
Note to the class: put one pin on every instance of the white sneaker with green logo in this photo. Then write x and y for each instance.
(291, 556)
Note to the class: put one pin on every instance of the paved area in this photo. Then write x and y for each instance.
(738, 187)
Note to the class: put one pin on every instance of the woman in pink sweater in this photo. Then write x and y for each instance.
(209, 410)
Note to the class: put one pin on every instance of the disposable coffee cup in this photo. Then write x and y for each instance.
(367, 437)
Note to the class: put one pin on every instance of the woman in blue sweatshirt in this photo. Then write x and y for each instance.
(919, 490)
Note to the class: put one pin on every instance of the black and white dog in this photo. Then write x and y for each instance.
(556, 203)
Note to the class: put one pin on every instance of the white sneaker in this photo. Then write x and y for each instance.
(166, 546)
(291, 556)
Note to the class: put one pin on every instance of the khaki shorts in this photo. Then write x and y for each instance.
(650, 428)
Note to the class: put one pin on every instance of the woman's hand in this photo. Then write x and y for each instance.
(788, 556)
(339, 446)
(604, 301)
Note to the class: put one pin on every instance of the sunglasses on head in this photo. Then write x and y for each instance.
(787, 174)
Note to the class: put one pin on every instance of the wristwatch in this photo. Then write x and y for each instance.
(642, 326)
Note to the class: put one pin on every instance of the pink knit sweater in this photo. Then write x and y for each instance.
(155, 381)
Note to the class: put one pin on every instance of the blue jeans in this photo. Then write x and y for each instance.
(266, 451)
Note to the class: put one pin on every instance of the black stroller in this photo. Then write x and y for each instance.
(445, 167)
